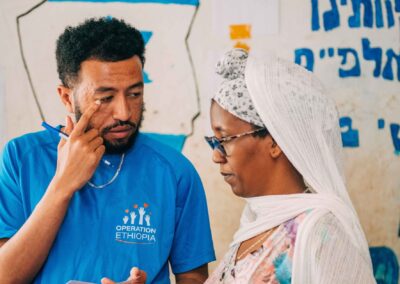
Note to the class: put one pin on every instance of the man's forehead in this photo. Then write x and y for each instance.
(103, 88)
(105, 73)
(133, 63)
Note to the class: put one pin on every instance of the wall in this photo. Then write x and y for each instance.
(353, 46)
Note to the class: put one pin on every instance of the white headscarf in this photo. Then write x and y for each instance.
(304, 122)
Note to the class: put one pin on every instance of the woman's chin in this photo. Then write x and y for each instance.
(237, 191)
(235, 187)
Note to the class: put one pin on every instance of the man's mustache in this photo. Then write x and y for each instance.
(119, 123)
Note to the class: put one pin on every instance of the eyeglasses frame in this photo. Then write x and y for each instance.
(216, 143)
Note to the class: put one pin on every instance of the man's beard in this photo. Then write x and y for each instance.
(118, 146)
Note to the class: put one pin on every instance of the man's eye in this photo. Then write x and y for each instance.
(106, 99)
(134, 95)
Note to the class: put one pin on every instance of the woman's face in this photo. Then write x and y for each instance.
(247, 163)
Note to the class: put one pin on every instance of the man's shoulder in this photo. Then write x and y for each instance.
(27, 142)
(164, 152)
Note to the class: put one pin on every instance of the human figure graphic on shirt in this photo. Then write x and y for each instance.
(133, 217)
(147, 219)
(141, 214)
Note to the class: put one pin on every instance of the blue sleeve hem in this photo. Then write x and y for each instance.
(193, 263)
(7, 235)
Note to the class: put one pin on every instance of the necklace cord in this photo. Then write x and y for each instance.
(112, 179)
(249, 249)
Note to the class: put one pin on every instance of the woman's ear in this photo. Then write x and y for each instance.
(66, 97)
(275, 151)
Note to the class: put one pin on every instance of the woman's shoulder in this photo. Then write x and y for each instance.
(333, 256)
(327, 226)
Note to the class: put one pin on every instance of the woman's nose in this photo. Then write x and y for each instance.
(218, 157)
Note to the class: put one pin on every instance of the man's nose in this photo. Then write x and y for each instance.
(122, 110)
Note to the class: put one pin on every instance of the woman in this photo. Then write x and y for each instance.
(278, 145)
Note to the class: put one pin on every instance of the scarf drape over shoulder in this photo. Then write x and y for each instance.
(303, 120)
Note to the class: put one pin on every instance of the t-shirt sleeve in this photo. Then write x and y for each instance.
(192, 245)
(11, 209)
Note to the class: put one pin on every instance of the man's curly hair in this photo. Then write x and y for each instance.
(105, 39)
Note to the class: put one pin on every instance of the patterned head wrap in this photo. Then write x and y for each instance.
(233, 95)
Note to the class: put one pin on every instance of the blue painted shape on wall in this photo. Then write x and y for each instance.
(355, 71)
(397, 5)
(180, 2)
(146, 78)
(315, 26)
(343, 2)
(307, 54)
(355, 20)
(381, 123)
(394, 131)
(175, 141)
(146, 37)
(378, 14)
(332, 17)
(389, 11)
(331, 51)
(385, 265)
(387, 72)
(368, 14)
(372, 54)
(322, 53)
(350, 137)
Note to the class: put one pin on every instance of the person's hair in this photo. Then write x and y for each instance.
(261, 134)
(105, 39)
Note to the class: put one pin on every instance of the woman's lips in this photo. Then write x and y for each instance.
(227, 176)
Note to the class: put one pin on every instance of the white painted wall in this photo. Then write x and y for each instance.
(372, 168)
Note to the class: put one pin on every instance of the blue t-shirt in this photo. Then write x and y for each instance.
(153, 213)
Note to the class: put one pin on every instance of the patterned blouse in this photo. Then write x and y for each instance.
(271, 263)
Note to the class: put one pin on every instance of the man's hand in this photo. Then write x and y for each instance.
(79, 156)
(137, 276)
(22, 256)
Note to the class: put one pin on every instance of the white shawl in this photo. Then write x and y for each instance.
(304, 122)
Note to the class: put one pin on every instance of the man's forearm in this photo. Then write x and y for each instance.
(195, 276)
(22, 256)
(189, 281)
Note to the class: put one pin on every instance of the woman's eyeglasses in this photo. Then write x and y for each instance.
(216, 143)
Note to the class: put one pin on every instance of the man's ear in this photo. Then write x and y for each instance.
(275, 151)
(66, 97)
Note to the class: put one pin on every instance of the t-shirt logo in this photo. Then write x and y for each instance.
(136, 226)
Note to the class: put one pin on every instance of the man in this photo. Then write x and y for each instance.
(107, 198)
